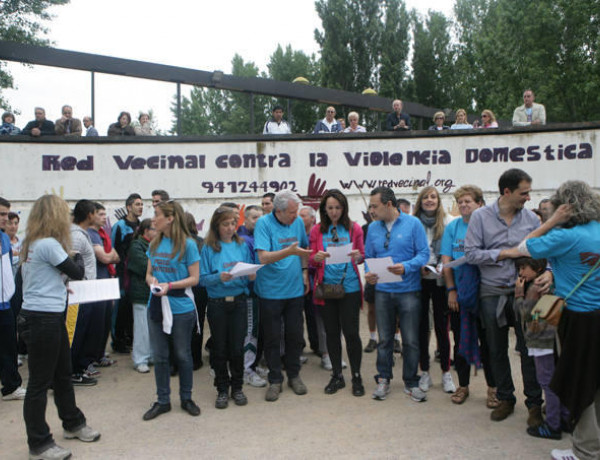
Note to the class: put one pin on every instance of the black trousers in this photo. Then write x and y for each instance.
(441, 323)
(49, 364)
(9, 373)
(228, 323)
(273, 313)
(342, 316)
(89, 331)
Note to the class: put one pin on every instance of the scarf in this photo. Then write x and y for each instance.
(429, 222)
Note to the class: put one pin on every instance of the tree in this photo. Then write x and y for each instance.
(22, 21)
(395, 40)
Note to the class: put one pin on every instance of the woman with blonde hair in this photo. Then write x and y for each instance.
(488, 120)
(461, 120)
(173, 268)
(41, 324)
(430, 212)
(438, 120)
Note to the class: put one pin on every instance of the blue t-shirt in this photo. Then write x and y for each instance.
(167, 270)
(43, 284)
(453, 241)
(334, 272)
(282, 279)
(101, 269)
(572, 252)
(212, 263)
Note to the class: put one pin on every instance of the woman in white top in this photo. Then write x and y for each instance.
(354, 126)
(461, 120)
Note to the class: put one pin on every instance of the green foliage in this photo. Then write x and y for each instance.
(394, 50)
(22, 21)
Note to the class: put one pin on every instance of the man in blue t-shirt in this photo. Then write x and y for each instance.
(279, 239)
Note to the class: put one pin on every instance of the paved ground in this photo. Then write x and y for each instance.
(315, 425)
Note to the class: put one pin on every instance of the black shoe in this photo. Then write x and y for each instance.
(397, 346)
(222, 400)
(336, 383)
(156, 410)
(239, 398)
(357, 386)
(544, 431)
(190, 407)
(371, 346)
(82, 380)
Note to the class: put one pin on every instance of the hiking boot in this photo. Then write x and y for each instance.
(273, 392)
(222, 400)
(336, 383)
(416, 394)
(544, 431)
(357, 386)
(156, 410)
(54, 452)
(504, 409)
(297, 385)
(460, 396)
(382, 389)
(492, 400)
(190, 407)
(239, 398)
(371, 346)
(425, 382)
(85, 434)
(535, 418)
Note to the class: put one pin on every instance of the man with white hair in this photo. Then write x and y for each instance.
(279, 241)
(397, 120)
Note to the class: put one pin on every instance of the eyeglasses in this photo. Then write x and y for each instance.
(484, 116)
(331, 111)
(387, 240)
(334, 235)
(439, 118)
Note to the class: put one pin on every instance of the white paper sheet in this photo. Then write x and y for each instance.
(88, 291)
(437, 271)
(244, 269)
(380, 267)
(338, 254)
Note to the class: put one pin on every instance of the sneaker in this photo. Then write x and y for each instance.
(544, 431)
(91, 371)
(358, 388)
(371, 346)
(297, 385)
(222, 400)
(504, 409)
(190, 407)
(19, 362)
(156, 410)
(142, 368)
(54, 452)
(211, 372)
(336, 383)
(416, 394)
(303, 359)
(382, 389)
(85, 433)
(535, 418)
(82, 380)
(448, 383)
(254, 380)
(425, 382)
(397, 346)
(239, 398)
(344, 364)
(568, 454)
(263, 372)
(22, 357)
(105, 361)
(273, 392)
(326, 363)
(17, 395)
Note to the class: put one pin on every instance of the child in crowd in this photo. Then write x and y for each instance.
(539, 338)
(228, 303)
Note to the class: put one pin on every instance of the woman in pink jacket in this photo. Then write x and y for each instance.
(339, 314)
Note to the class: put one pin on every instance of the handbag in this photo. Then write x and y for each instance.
(550, 307)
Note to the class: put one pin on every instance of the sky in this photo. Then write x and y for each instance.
(196, 34)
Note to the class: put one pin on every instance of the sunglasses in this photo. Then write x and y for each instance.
(386, 244)
(334, 235)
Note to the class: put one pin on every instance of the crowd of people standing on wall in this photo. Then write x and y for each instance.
(528, 114)
(479, 274)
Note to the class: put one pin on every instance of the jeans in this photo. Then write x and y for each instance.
(407, 306)
(497, 341)
(181, 333)
(274, 313)
(141, 352)
(341, 315)
(49, 364)
(441, 321)
(9, 373)
(228, 323)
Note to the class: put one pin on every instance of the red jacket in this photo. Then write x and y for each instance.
(316, 245)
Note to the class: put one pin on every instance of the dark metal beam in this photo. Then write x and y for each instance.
(53, 57)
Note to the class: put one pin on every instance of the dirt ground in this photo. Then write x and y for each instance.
(295, 427)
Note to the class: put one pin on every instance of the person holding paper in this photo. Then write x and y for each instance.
(173, 268)
(339, 315)
(228, 303)
(41, 324)
(401, 237)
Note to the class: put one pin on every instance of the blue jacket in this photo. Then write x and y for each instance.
(321, 127)
(407, 244)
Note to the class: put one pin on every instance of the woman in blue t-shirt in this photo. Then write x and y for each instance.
(173, 268)
(228, 302)
(339, 315)
(41, 324)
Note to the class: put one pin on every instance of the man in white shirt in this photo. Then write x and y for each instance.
(529, 113)
(276, 124)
